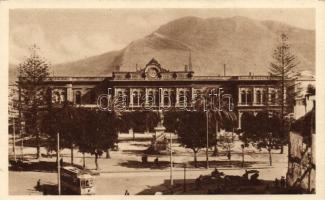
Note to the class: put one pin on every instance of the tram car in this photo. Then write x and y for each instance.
(77, 181)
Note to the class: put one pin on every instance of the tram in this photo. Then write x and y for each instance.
(77, 181)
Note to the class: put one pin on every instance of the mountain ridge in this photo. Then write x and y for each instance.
(243, 44)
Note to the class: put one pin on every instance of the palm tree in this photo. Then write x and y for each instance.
(222, 115)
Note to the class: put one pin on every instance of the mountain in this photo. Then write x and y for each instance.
(244, 45)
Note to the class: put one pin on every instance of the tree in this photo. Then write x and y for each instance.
(192, 130)
(262, 130)
(221, 115)
(63, 119)
(100, 132)
(284, 65)
(32, 73)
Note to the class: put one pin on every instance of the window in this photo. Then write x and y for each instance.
(181, 98)
(166, 98)
(151, 99)
(156, 99)
(243, 97)
(249, 97)
(135, 98)
(56, 97)
(265, 97)
(273, 97)
(78, 97)
(258, 97)
(62, 97)
(188, 99)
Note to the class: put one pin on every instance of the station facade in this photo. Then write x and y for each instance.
(156, 87)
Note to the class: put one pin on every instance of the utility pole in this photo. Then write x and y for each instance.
(207, 145)
(58, 160)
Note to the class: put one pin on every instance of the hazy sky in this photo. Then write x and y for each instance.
(70, 34)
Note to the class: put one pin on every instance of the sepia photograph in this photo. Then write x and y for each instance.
(161, 101)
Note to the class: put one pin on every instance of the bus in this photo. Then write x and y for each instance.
(77, 181)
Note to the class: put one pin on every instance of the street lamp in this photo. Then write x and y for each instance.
(184, 184)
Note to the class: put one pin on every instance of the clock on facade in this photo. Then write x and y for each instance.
(152, 72)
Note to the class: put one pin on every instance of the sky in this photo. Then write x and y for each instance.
(65, 35)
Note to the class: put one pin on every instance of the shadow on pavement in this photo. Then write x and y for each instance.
(39, 166)
(200, 164)
(47, 189)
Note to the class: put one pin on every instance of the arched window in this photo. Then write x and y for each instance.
(197, 94)
(119, 94)
(181, 98)
(156, 98)
(62, 97)
(56, 97)
(243, 97)
(188, 99)
(249, 97)
(258, 97)
(265, 97)
(78, 97)
(273, 97)
(166, 98)
(151, 99)
(135, 98)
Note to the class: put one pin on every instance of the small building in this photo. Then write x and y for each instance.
(301, 164)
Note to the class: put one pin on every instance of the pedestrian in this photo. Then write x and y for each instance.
(229, 155)
(61, 162)
(38, 185)
(276, 182)
(282, 182)
(156, 161)
(198, 182)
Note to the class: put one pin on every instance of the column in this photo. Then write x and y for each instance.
(239, 119)
(254, 96)
(268, 96)
(246, 102)
(131, 97)
(69, 92)
(177, 96)
(146, 103)
(239, 96)
(262, 95)
(162, 91)
(277, 99)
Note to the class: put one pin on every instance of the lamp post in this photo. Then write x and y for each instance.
(58, 160)
(184, 183)
(22, 139)
(242, 150)
(171, 162)
(207, 144)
